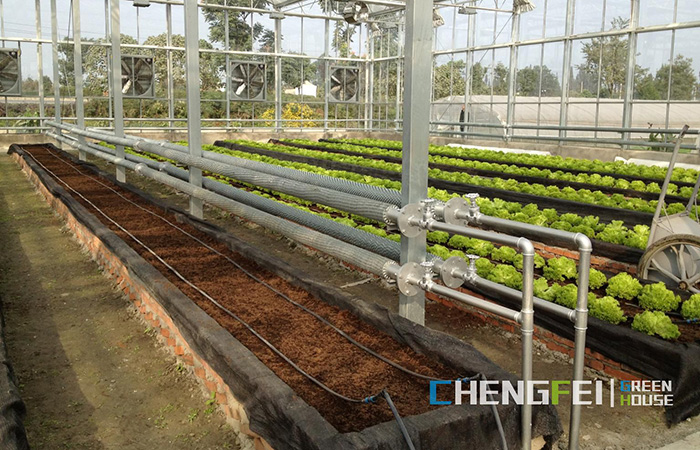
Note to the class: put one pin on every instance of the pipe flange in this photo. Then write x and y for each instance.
(454, 206)
(408, 277)
(408, 219)
(386, 275)
(389, 213)
(449, 268)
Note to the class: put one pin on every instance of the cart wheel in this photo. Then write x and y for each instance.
(675, 260)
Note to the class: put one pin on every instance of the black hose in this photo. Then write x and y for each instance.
(397, 416)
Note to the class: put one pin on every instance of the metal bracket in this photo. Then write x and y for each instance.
(408, 277)
(452, 207)
(451, 266)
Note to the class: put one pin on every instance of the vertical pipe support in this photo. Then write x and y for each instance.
(580, 327)
(78, 76)
(54, 61)
(631, 65)
(416, 116)
(566, 70)
(514, 37)
(527, 330)
(116, 85)
(278, 75)
(194, 126)
(40, 60)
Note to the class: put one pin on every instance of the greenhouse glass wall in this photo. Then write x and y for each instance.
(610, 72)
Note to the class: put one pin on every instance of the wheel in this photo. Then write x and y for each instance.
(675, 260)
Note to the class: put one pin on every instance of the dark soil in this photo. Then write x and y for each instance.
(312, 345)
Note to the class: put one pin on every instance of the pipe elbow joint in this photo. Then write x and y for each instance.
(584, 242)
(526, 247)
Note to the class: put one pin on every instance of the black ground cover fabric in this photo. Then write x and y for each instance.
(12, 409)
(494, 174)
(275, 412)
(655, 357)
(574, 171)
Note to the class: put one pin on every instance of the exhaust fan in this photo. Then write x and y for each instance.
(248, 80)
(10, 76)
(345, 84)
(356, 12)
(137, 76)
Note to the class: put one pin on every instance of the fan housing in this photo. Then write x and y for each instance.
(345, 84)
(248, 81)
(10, 72)
(138, 76)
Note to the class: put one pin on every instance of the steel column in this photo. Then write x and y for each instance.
(116, 84)
(39, 59)
(278, 75)
(566, 70)
(78, 74)
(513, 71)
(416, 116)
(631, 65)
(54, 63)
(327, 78)
(194, 112)
(169, 43)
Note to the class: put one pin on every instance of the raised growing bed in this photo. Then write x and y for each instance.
(494, 174)
(613, 251)
(538, 166)
(285, 408)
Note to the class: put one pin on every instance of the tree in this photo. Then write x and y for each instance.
(211, 65)
(613, 63)
(684, 83)
(448, 79)
(645, 86)
(297, 70)
(528, 82)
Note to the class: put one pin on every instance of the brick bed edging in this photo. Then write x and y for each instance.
(154, 314)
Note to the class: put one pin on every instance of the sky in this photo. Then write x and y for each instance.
(18, 20)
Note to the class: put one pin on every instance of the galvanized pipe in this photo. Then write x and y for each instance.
(583, 244)
(351, 254)
(362, 239)
(526, 315)
(380, 194)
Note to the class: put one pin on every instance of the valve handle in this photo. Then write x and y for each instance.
(428, 267)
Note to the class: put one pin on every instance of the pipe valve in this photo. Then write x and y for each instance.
(471, 268)
(428, 208)
(426, 280)
(473, 212)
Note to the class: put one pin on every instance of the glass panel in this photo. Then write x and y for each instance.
(291, 35)
(651, 78)
(264, 33)
(686, 65)
(585, 66)
(313, 37)
(656, 12)
(588, 16)
(688, 11)
(532, 23)
(485, 27)
(617, 14)
(556, 18)
(461, 30)
(527, 78)
(152, 22)
(444, 34)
